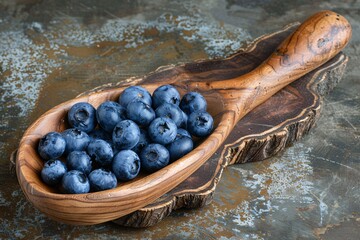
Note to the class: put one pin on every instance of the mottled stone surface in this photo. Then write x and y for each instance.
(51, 51)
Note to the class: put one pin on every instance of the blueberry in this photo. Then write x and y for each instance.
(143, 141)
(134, 93)
(79, 160)
(154, 157)
(108, 114)
(193, 102)
(183, 132)
(179, 147)
(75, 181)
(165, 94)
(100, 133)
(53, 171)
(126, 165)
(100, 152)
(51, 146)
(82, 116)
(126, 135)
(140, 112)
(75, 139)
(184, 120)
(115, 150)
(200, 124)
(101, 179)
(162, 130)
(171, 111)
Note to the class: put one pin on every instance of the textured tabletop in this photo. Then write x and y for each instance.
(51, 51)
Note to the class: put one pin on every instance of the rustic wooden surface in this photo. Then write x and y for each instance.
(264, 132)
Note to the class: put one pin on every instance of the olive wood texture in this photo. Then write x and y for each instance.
(265, 131)
(315, 42)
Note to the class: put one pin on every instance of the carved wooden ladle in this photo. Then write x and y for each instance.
(316, 41)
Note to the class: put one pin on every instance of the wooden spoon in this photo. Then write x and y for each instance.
(316, 41)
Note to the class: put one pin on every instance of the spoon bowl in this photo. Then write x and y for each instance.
(315, 42)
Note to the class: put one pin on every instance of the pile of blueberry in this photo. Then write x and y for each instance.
(113, 142)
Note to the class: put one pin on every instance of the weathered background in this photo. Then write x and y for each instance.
(50, 51)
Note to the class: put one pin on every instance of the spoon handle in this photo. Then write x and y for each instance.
(316, 41)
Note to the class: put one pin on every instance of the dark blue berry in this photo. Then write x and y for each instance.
(79, 160)
(75, 139)
(100, 152)
(143, 141)
(184, 120)
(82, 116)
(140, 112)
(162, 130)
(126, 165)
(171, 111)
(101, 179)
(165, 94)
(183, 132)
(75, 181)
(193, 102)
(134, 93)
(100, 133)
(200, 124)
(126, 135)
(51, 146)
(179, 147)
(53, 171)
(108, 114)
(154, 157)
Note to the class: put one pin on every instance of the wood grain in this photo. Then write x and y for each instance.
(256, 137)
(229, 100)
